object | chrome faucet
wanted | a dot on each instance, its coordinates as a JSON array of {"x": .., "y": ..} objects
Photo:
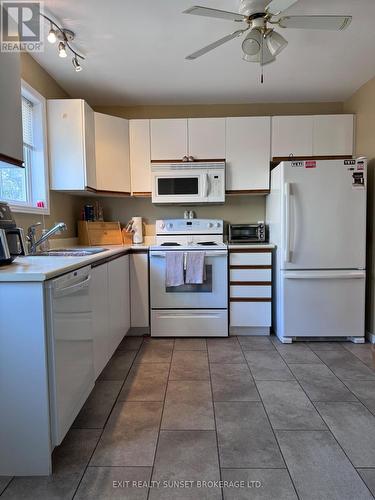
[{"x": 60, "y": 226}]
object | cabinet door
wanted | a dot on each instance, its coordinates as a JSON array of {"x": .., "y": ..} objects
[
  {"x": 119, "y": 300},
  {"x": 139, "y": 137},
  {"x": 139, "y": 290},
  {"x": 248, "y": 148},
  {"x": 112, "y": 153},
  {"x": 10, "y": 117},
  {"x": 100, "y": 317},
  {"x": 71, "y": 139},
  {"x": 169, "y": 139},
  {"x": 333, "y": 135},
  {"x": 292, "y": 135},
  {"x": 206, "y": 138}
]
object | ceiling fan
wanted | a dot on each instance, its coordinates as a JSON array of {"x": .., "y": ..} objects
[{"x": 262, "y": 43}]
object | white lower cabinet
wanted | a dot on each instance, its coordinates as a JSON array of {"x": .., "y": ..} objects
[
  {"x": 110, "y": 299},
  {"x": 250, "y": 291},
  {"x": 119, "y": 300},
  {"x": 100, "y": 316},
  {"x": 139, "y": 297}
]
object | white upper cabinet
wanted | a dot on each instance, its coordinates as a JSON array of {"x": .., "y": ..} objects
[
  {"x": 140, "y": 157},
  {"x": 248, "y": 149},
  {"x": 169, "y": 139},
  {"x": 10, "y": 116},
  {"x": 71, "y": 135},
  {"x": 333, "y": 134},
  {"x": 112, "y": 153},
  {"x": 206, "y": 138},
  {"x": 292, "y": 135},
  {"x": 320, "y": 135}
]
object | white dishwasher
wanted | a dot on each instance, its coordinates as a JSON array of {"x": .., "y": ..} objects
[{"x": 70, "y": 348}]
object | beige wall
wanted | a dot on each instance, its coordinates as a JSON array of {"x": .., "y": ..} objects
[
  {"x": 217, "y": 110},
  {"x": 63, "y": 207},
  {"x": 235, "y": 209},
  {"x": 362, "y": 103}
]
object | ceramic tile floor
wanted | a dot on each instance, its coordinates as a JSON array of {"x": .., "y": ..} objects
[{"x": 270, "y": 421}]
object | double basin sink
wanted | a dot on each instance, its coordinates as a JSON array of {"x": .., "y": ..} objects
[{"x": 70, "y": 252}]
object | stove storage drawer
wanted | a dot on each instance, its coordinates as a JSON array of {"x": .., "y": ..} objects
[
  {"x": 189, "y": 323},
  {"x": 250, "y": 288}
]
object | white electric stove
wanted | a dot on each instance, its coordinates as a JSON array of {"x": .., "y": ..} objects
[{"x": 190, "y": 310}]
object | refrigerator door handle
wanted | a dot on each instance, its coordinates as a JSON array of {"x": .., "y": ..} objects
[
  {"x": 287, "y": 256},
  {"x": 326, "y": 275}
]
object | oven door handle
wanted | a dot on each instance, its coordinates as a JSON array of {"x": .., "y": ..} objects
[{"x": 218, "y": 253}]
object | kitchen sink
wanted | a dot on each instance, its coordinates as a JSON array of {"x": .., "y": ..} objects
[{"x": 70, "y": 252}]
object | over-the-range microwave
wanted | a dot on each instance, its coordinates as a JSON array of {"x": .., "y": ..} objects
[{"x": 188, "y": 182}]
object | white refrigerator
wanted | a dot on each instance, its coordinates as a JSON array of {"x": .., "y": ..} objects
[{"x": 316, "y": 212}]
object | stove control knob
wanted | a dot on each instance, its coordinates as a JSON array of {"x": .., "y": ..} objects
[
  {"x": 162, "y": 225},
  {"x": 209, "y": 224},
  {"x": 169, "y": 225},
  {"x": 217, "y": 224}
]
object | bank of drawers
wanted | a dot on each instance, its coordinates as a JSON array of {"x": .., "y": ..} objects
[{"x": 250, "y": 287}]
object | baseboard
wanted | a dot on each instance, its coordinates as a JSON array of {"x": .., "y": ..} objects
[
  {"x": 249, "y": 330},
  {"x": 138, "y": 331}
]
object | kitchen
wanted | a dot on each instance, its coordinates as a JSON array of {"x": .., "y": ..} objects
[{"x": 224, "y": 333}]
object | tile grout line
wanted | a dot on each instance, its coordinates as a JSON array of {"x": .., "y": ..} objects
[
  {"x": 109, "y": 415},
  {"x": 273, "y": 430},
  {"x": 214, "y": 413},
  {"x": 161, "y": 418}
]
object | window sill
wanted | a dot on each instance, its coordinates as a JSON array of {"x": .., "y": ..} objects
[{"x": 29, "y": 210}]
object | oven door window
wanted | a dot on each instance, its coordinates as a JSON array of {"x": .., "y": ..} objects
[
  {"x": 244, "y": 233},
  {"x": 178, "y": 186},
  {"x": 205, "y": 287}
]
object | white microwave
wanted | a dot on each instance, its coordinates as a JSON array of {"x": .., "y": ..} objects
[{"x": 188, "y": 182}]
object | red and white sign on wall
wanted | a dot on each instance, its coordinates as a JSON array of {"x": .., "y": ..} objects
[{"x": 310, "y": 164}]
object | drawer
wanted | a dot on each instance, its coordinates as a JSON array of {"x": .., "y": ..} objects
[
  {"x": 106, "y": 237},
  {"x": 250, "y": 259},
  {"x": 250, "y": 314},
  {"x": 251, "y": 291},
  {"x": 250, "y": 275}
]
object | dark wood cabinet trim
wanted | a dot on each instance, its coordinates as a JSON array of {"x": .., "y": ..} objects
[
  {"x": 250, "y": 299},
  {"x": 250, "y": 267},
  {"x": 250, "y": 283},
  {"x": 247, "y": 191},
  {"x": 11, "y": 160},
  {"x": 102, "y": 191},
  {"x": 142, "y": 193}
]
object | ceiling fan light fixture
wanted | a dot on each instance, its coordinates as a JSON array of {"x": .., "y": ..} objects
[
  {"x": 252, "y": 43},
  {"x": 276, "y": 43}
]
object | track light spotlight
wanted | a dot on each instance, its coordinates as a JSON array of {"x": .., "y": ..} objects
[
  {"x": 76, "y": 64},
  {"x": 62, "y": 50}
]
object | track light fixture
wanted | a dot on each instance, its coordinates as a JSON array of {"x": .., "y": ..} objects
[
  {"x": 64, "y": 37},
  {"x": 76, "y": 64},
  {"x": 62, "y": 50},
  {"x": 52, "y": 37}
]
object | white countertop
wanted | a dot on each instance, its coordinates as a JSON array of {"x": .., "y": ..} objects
[{"x": 36, "y": 269}]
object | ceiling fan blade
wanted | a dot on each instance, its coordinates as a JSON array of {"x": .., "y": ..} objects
[
  {"x": 213, "y": 45},
  {"x": 219, "y": 14},
  {"x": 278, "y": 6},
  {"x": 335, "y": 23}
]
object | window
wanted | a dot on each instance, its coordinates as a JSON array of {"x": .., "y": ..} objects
[{"x": 26, "y": 189}]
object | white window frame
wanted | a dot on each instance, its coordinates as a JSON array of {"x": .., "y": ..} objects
[{"x": 40, "y": 153}]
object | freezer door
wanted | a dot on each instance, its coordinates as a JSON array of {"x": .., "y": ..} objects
[
  {"x": 322, "y": 304},
  {"x": 324, "y": 215}
]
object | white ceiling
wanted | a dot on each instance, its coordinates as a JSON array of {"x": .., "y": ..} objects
[{"x": 136, "y": 48}]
